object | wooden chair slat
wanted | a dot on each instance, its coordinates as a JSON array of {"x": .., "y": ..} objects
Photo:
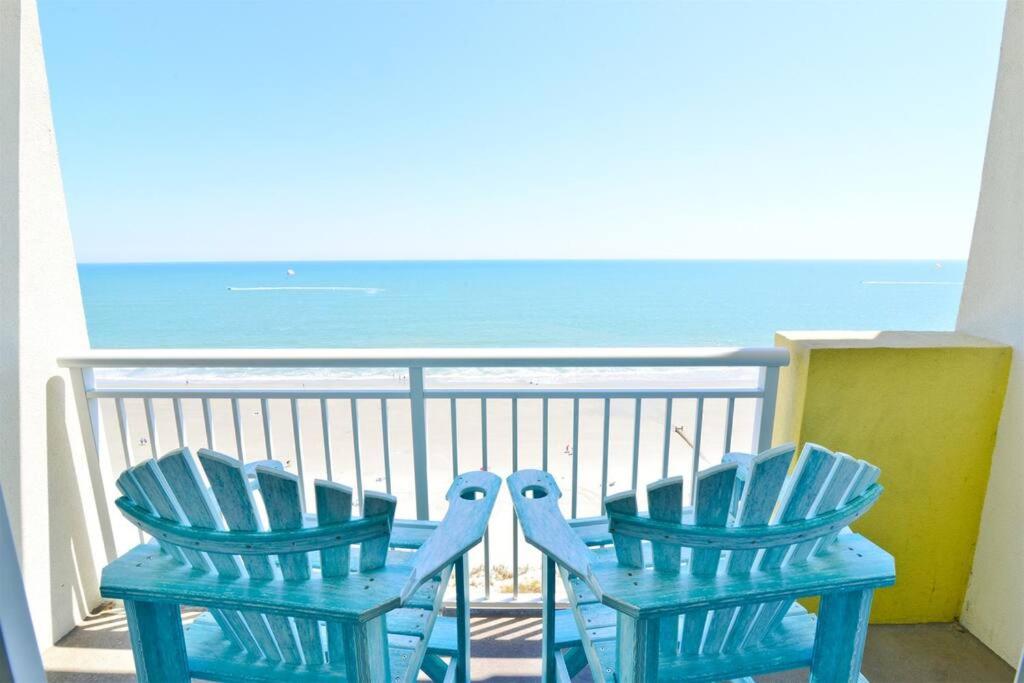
[
  {"x": 842, "y": 476},
  {"x": 182, "y": 476},
  {"x": 665, "y": 501},
  {"x": 713, "y": 499},
  {"x": 334, "y": 504},
  {"x": 714, "y": 493},
  {"x": 843, "y": 473},
  {"x": 744, "y": 465},
  {"x": 767, "y": 473},
  {"x": 234, "y": 628},
  {"x": 230, "y": 487},
  {"x": 867, "y": 475},
  {"x": 284, "y": 513},
  {"x": 129, "y": 486},
  {"x": 373, "y": 554},
  {"x": 153, "y": 484},
  {"x": 628, "y": 550},
  {"x": 863, "y": 475},
  {"x": 813, "y": 471},
  {"x": 179, "y": 469}
]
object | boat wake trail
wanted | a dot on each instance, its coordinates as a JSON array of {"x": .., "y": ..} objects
[
  {"x": 366, "y": 290},
  {"x": 911, "y": 282}
]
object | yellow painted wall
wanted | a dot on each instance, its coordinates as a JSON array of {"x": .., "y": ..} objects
[{"x": 924, "y": 407}]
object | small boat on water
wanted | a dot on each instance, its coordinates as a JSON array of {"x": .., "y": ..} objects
[{"x": 290, "y": 273}]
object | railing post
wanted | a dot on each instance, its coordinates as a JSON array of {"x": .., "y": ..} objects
[
  {"x": 764, "y": 416},
  {"x": 419, "y": 441}
]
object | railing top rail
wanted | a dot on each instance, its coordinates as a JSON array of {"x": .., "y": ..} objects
[{"x": 429, "y": 358}]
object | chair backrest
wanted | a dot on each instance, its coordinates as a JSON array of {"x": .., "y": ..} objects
[
  {"x": 773, "y": 523},
  {"x": 786, "y": 518},
  {"x": 219, "y": 529}
]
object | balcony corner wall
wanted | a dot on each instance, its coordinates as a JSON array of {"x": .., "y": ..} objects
[
  {"x": 924, "y": 407},
  {"x": 43, "y": 470}
]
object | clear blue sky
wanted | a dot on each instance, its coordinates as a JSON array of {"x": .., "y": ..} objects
[{"x": 323, "y": 130}]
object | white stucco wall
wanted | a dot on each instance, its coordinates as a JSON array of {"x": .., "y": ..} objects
[
  {"x": 993, "y": 307},
  {"x": 42, "y": 468}
]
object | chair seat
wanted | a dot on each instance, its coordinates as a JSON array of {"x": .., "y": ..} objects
[
  {"x": 853, "y": 563},
  {"x": 212, "y": 657},
  {"x": 590, "y": 625},
  {"x": 146, "y": 572},
  {"x": 789, "y": 646}
]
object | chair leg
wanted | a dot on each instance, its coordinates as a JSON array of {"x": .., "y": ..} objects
[
  {"x": 575, "y": 661},
  {"x": 549, "y": 664},
  {"x": 462, "y": 619},
  {"x": 158, "y": 641},
  {"x": 840, "y": 636},
  {"x": 437, "y": 669},
  {"x": 368, "y": 659},
  {"x": 636, "y": 658}
]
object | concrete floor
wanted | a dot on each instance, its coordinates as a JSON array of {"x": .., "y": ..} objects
[{"x": 507, "y": 650}]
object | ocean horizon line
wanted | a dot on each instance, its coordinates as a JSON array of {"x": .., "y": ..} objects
[{"x": 534, "y": 260}]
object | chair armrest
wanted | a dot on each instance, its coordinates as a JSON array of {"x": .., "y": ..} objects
[
  {"x": 470, "y": 501},
  {"x": 535, "y": 496},
  {"x": 854, "y": 564},
  {"x": 146, "y": 573}
]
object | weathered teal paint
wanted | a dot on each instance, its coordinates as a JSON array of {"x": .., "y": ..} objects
[
  {"x": 319, "y": 611},
  {"x": 622, "y": 598}
]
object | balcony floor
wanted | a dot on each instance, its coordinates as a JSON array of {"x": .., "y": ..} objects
[{"x": 507, "y": 650}]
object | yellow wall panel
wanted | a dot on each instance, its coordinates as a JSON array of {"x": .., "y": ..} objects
[{"x": 923, "y": 407}]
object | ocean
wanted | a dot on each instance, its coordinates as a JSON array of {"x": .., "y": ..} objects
[{"x": 507, "y": 303}]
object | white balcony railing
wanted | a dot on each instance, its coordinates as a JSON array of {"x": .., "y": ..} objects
[{"x": 407, "y": 420}]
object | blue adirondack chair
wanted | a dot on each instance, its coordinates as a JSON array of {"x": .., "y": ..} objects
[
  {"x": 319, "y": 597},
  {"x": 708, "y": 593}
]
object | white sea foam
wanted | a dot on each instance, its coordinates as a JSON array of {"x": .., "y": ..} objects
[{"x": 367, "y": 290}]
